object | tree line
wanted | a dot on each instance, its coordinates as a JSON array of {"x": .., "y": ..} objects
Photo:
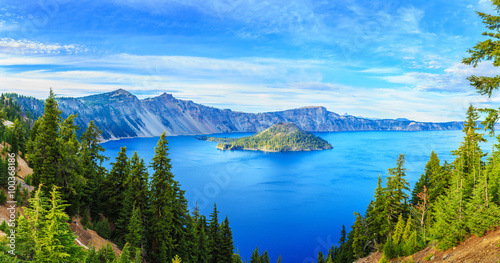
[
  {"x": 450, "y": 201},
  {"x": 145, "y": 215}
]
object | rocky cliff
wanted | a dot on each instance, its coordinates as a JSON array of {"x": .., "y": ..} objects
[{"x": 119, "y": 114}]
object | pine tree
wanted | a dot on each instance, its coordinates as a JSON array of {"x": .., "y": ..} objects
[
  {"x": 481, "y": 213},
  {"x": 69, "y": 176},
  {"x": 376, "y": 218},
  {"x": 321, "y": 258},
  {"x": 45, "y": 148},
  {"x": 487, "y": 50},
  {"x": 115, "y": 185},
  {"x": 432, "y": 179},
  {"x": 106, "y": 253},
  {"x": 214, "y": 237},
  {"x": 397, "y": 198},
  {"x": 136, "y": 194},
  {"x": 255, "y": 256},
  {"x": 449, "y": 227},
  {"x": 135, "y": 231},
  {"x": 44, "y": 232},
  {"x": 91, "y": 164},
  {"x": 161, "y": 198},
  {"x": 265, "y": 258},
  {"x": 227, "y": 246},
  {"x": 359, "y": 236},
  {"x": 468, "y": 155},
  {"x": 398, "y": 230}
]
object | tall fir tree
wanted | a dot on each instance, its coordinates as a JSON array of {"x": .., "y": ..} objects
[
  {"x": 44, "y": 146},
  {"x": 255, "y": 256},
  {"x": 115, "y": 186},
  {"x": 227, "y": 247},
  {"x": 468, "y": 156},
  {"x": 450, "y": 225},
  {"x": 43, "y": 231},
  {"x": 161, "y": 198},
  {"x": 397, "y": 198},
  {"x": 433, "y": 178},
  {"x": 92, "y": 158},
  {"x": 376, "y": 218},
  {"x": 214, "y": 237}
]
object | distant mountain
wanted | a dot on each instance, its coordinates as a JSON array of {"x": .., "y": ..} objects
[
  {"x": 281, "y": 137},
  {"x": 119, "y": 114}
]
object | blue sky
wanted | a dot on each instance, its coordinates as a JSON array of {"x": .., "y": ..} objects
[{"x": 378, "y": 58}]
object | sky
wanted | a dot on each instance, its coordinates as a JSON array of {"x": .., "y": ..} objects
[{"x": 371, "y": 58}]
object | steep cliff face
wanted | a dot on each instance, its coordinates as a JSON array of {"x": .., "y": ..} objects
[{"x": 120, "y": 114}]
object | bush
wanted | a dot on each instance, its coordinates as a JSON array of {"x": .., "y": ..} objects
[
  {"x": 27, "y": 180},
  {"x": 4, "y": 227},
  {"x": 102, "y": 228},
  {"x": 3, "y": 197},
  {"x": 390, "y": 251}
]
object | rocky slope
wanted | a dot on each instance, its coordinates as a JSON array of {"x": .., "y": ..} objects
[
  {"x": 484, "y": 249},
  {"x": 120, "y": 114}
]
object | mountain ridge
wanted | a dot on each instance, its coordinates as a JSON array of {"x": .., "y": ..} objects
[{"x": 120, "y": 114}]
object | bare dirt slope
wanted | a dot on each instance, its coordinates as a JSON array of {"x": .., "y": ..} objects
[
  {"x": 85, "y": 237},
  {"x": 485, "y": 249},
  {"x": 88, "y": 238}
]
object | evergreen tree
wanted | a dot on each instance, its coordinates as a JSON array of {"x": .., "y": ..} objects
[
  {"x": 69, "y": 176},
  {"x": 449, "y": 227},
  {"x": 161, "y": 198},
  {"x": 487, "y": 50},
  {"x": 481, "y": 213},
  {"x": 45, "y": 148},
  {"x": 214, "y": 237},
  {"x": 136, "y": 194},
  {"x": 359, "y": 236},
  {"x": 227, "y": 247},
  {"x": 265, "y": 258},
  {"x": 396, "y": 189},
  {"x": 202, "y": 238},
  {"x": 255, "y": 256},
  {"x": 468, "y": 155},
  {"x": 91, "y": 164},
  {"x": 432, "y": 179},
  {"x": 376, "y": 218},
  {"x": 115, "y": 186},
  {"x": 135, "y": 231},
  {"x": 44, "y": 233},
  {"x": 321, "y": 258}
]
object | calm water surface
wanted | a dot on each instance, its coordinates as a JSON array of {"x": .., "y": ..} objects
[{"x": 294, "y": 203}]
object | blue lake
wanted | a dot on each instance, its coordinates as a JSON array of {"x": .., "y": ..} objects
[{"x": 294, "y": 203}]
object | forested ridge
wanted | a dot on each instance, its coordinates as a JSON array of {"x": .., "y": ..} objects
[{"x": 146, "y": 215}]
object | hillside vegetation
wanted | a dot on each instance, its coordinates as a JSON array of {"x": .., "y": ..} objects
[{"x": 281, "y": 137}]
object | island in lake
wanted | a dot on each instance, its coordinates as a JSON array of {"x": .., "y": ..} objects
[{"x": 281, "y": 137}]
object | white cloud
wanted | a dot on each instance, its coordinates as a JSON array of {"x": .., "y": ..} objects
[
  {"x": 454, "y": 78},
  {"x": 22, "y": 47}
]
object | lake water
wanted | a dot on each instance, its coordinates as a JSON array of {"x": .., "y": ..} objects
[{"x": 293, "y": 203}]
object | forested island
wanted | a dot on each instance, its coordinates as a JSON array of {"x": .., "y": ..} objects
[{"x": 282, "y": 137}]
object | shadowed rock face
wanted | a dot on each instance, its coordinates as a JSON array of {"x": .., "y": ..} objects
[{"x": 119, "y": 114}]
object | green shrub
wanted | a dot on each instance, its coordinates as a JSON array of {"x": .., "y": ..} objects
[
  {"x": 4, "y": 227},
  {"x": 3, "y": 197},
  {"x": 27, "y": 179}
]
